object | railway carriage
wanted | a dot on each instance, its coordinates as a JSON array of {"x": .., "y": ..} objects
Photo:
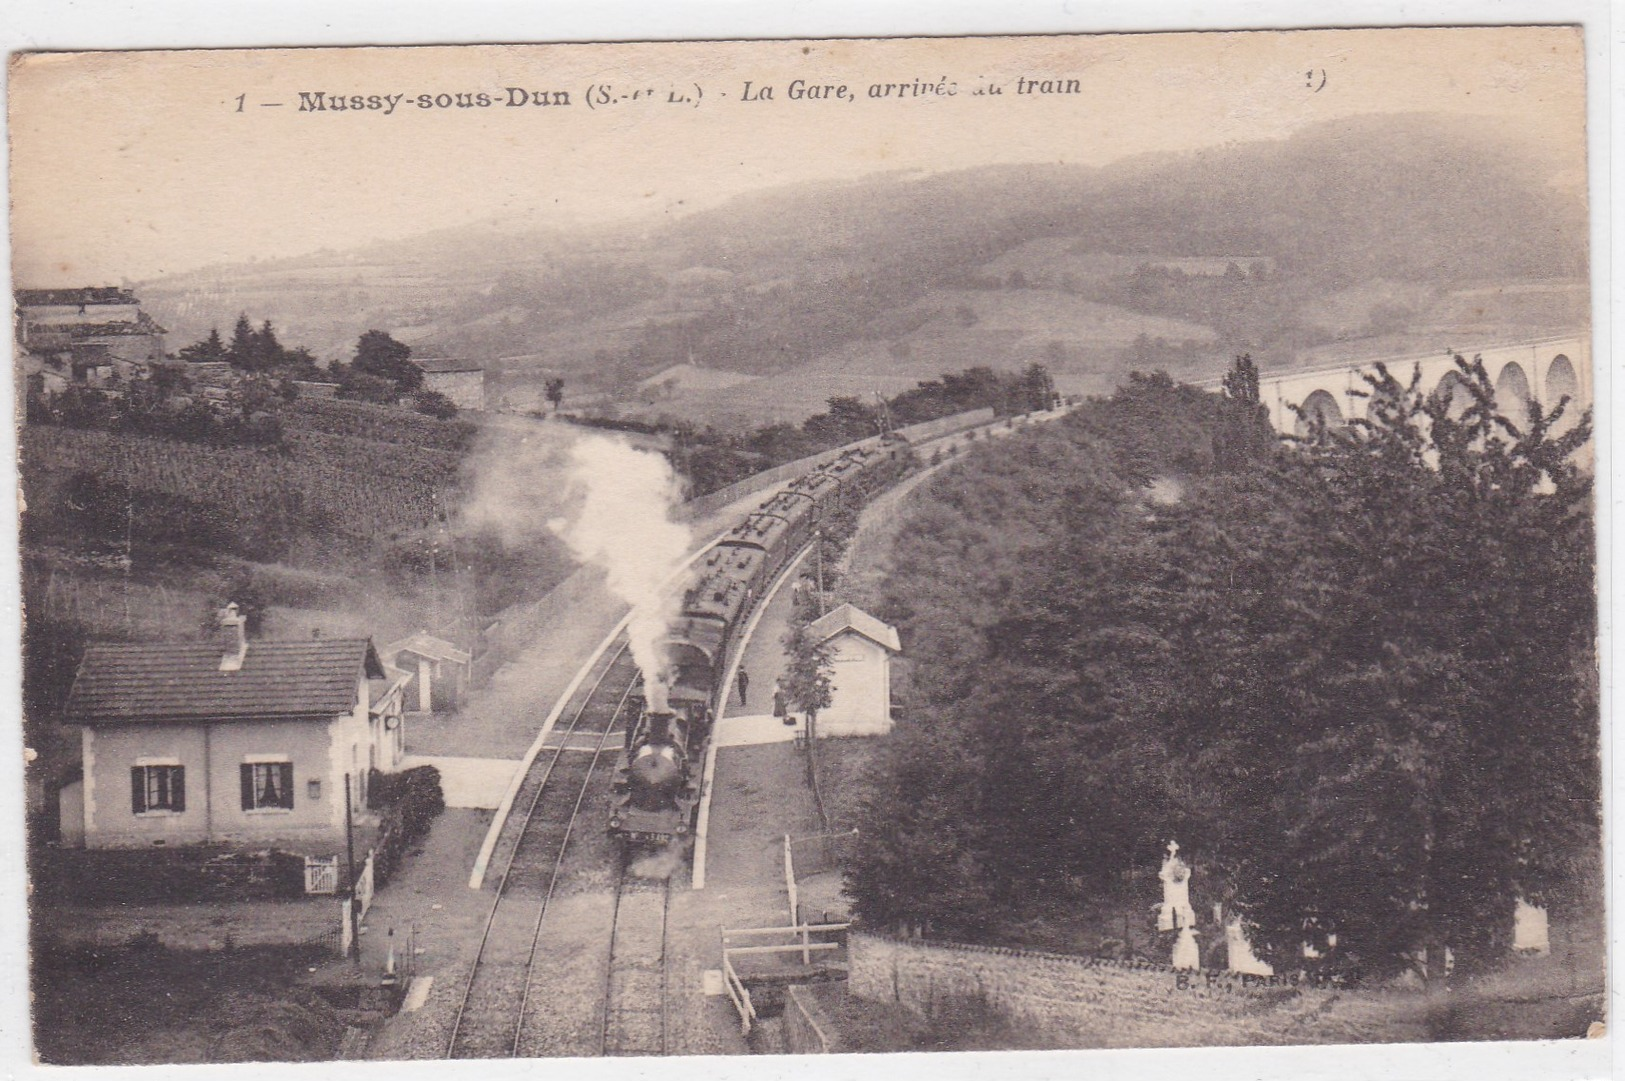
[
  {"x": 748, "y": 563},
  {"x": 821, "y": 490},
  {"x": 769, "y": 534},
  {"x": 795, "y": 509}
]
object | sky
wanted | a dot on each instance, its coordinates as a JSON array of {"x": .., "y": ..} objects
[{"x": 129, "y": 166}]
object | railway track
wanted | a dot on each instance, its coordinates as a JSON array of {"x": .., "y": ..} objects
[
  {"x": 634, "y": 1018},
  {"x": 490, "y": 1016}
]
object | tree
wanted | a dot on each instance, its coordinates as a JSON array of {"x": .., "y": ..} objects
[
  {"x": 206, "y": 350},
  {"x": 555, "y": 391},
  {"x": 1243, "y": 433},
  {"x": 379, "y": 355},
  {"x": 357, "y": 385},
  {"x": 268, "y": 351},
  {"x": 807, "y": 676},
  {"x": 1035, "y": 388},
  {"x": 1388, "y": 702},
  {"x": 244, "y": 347}
]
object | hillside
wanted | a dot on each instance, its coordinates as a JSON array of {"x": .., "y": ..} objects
[{"x": 1354, "y": 229}]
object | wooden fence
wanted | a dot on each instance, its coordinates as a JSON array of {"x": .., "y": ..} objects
[{"x": 830, "y": 945}]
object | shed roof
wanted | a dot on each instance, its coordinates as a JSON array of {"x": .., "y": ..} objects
[
  {"x": 425, "y": 644},
  {"x": 849, "y": 617},
  {"x": 182, "y": 681},
  {"x": 446, "y": 364},
  {"x": 380, "y": 687}
]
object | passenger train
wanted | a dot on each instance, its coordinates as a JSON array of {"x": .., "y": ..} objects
[{"x": 656, "y": 793}]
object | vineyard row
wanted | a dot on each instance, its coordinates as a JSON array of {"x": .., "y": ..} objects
[{"x": 341, "y": 494}]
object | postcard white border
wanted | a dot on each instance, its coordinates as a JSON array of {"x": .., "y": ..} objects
[{"x": 108, "y": 24}]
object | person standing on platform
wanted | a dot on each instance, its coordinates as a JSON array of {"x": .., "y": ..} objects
[{"x": 744, "y": 686}]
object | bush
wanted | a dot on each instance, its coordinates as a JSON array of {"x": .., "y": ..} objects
[
  {"x": 432, "y": 403},
  {"x": 410, "y": 802}
]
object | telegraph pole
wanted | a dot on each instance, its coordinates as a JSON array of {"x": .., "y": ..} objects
[{"x": 818, "y": 562}]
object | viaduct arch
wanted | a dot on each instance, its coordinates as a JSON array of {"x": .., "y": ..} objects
[{"x": 1545, "y": 370}]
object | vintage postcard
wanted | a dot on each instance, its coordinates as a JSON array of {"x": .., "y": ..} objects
[{"x": 1068, "y": 543}]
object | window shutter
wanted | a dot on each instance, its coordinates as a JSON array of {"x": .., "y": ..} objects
[
  {"x": 138, "y": 789},
  {"x": 246, "y": 772},
  {"x": 177, "y": 789},
  {"x": 287, "y": 784}
]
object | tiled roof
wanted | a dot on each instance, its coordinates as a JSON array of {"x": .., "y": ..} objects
[
  {"x": 106, "y": 294},
  {"x": 425, "y": 644},
  {"x": 182, "y": 681},
  {"x": 850, "y": 618}
]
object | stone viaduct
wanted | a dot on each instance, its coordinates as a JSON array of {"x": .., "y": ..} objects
[{"x": 1545, "y": 370}]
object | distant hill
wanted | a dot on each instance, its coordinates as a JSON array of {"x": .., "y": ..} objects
[{"x": 1348, "y": 229}]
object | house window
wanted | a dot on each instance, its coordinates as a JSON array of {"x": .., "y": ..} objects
[
  {"x": 267, "y": 786},
  {"x": 157, "y": 789}
]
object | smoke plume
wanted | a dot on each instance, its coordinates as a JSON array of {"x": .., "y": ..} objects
[
  {"x": 624, "y": 526},
  {"x": 515, "y": 483}
]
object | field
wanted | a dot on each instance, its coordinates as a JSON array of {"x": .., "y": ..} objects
[{"x": 1082, "y": 343}]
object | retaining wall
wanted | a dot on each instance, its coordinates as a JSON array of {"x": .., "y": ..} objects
[
  {"x": 1092, "y": 1002},
  {"x": 807, "y": 1029}
]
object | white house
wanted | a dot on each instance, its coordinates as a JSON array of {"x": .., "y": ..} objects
[
  {"x": 246, "y": 743},
  {"x": 861, "y": 648}
]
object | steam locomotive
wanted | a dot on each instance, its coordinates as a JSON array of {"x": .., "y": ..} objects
[{"x": 656, "y": 793}]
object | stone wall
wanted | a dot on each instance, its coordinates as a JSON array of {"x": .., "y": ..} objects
[
  {"x": 807, "y": 1029},
  {"x": 1091, "y": 1002}
]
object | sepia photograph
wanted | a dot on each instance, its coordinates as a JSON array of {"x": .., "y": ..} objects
[{"x": 1068, "y": 542}]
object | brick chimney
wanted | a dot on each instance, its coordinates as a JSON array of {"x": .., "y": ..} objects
[{"x": 232, "y": 638}]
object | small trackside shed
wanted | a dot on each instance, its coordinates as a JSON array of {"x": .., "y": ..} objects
[
  {"x": 861, "y": 647},
  {"x": 237, "y": 742},
  {"x": 438, "y": 672}
]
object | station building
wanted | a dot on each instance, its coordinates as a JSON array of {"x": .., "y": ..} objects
[{"x": 234, "y": 743}]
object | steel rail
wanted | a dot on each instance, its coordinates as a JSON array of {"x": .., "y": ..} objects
[
  {"x": 564, "y": 844},
  {"x": 496, "y": 903},
  {"x": 612, "y": 1011}
]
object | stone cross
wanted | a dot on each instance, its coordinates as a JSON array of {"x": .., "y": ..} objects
[{"x": 1176, "y": 908}]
